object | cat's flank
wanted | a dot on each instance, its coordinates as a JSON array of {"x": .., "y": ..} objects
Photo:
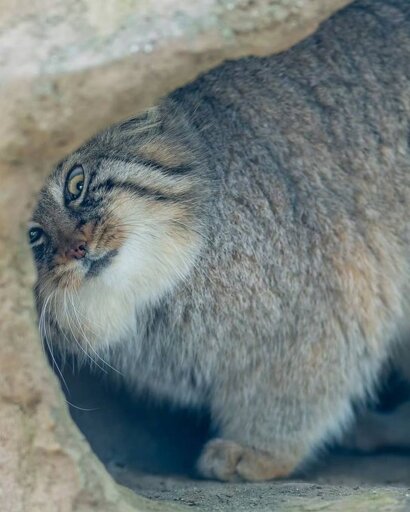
[{"x": 245, "y": 246}]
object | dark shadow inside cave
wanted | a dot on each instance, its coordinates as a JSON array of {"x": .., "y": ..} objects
[
  {"x": 135, "y": 432},
  {"x": 145, "y": 443}
]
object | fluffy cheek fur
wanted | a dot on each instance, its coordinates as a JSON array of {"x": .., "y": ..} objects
[{"x": 156, "y": 246}]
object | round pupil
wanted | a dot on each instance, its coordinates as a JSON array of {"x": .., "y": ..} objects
[
  {"x": 34, "y": 234},
  {"x": 75, "y": 183}
]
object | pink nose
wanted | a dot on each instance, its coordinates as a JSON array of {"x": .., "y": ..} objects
[{"x": 77, "y": 251}]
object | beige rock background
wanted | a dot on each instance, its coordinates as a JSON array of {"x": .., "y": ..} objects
[{"x": 67, "y": 69}]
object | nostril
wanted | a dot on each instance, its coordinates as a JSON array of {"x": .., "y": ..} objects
[{"x": 78, "y": 251}]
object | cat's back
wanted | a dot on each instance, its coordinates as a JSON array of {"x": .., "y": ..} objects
[
  {"x": 309, "y": 223},
  {"x": 324, "y": 124},
  {"x": 310, "y": 149}
]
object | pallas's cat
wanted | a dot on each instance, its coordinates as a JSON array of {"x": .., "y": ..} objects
[{"x": 245, "y": 245}]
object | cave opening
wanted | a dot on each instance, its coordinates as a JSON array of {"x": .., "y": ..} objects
[{"x": 151, "y": 446}]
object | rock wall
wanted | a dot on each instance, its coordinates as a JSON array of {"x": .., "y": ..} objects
[{"x": 69, "y": 68}]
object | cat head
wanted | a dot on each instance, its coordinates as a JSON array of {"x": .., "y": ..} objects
[{"x": 118, "y": 224}]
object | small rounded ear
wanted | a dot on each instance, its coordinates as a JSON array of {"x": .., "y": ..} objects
[
  {"x": 166, "y": 152},
  {"x": 161, "y": 136},
  {"x": 142, "y": 124}
]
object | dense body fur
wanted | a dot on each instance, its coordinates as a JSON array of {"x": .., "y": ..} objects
[{"x": 255, "y": 235}]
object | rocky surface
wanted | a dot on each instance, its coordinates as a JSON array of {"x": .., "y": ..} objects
[
  {"x": 152, "y": 449},
  {"x": 69, "y": 68},
  {"x": 268, "y": 497}
]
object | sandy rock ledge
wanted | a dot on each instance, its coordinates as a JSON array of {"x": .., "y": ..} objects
[{"x": 69, "y": 68}]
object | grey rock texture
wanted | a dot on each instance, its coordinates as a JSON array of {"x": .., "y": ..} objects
[
  {"x": 72, "y": 67},
  {"x": 69, "y": 68}
]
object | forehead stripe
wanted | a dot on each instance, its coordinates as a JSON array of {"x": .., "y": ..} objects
[
  {"x": 152, "y": 164},
  {"x": 132, "y": 187}
]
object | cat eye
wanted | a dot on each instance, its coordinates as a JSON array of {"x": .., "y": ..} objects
[
  {"x": 35, "y": 235},
  {"x": 75, "y": 183}
]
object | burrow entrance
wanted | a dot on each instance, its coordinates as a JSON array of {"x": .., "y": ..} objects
[{"x": 151, "y": 447}]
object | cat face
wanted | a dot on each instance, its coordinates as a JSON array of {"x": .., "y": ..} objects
[{"x": 116, "y": 227}]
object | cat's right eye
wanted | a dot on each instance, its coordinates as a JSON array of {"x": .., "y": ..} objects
[
  {"x": 35, "y": 235},
  {"x": 75, "y": 183}
]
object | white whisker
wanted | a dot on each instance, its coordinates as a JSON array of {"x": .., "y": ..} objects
[
  {"x": 48, "y": 341},
  {"x": 82, "y": 408},
  {"x": 89, "y": 344},
  {"x": 74, "y": 336}
]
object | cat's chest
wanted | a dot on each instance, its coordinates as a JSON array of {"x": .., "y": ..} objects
[{"x": 170, "y": 367}]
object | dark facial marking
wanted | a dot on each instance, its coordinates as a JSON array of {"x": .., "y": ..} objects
[
  {"x": 129, "y": 186},
  {"x": 153, "y": 164},
  {"x": 96, "y": 266},
  {"x": 165, "y": 169}
]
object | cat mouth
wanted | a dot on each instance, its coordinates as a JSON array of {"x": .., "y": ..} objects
[{"x": 97, "y": 265}]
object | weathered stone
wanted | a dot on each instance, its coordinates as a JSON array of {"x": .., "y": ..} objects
[{"x": 69, "y": 68}]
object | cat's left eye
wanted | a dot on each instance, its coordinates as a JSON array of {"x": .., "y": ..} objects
[
  {"x": 35, "y": 235},
  {"x": 75, "y": 183}
]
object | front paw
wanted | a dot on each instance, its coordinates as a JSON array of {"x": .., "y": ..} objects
[{"x": 231, "y": 462}]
